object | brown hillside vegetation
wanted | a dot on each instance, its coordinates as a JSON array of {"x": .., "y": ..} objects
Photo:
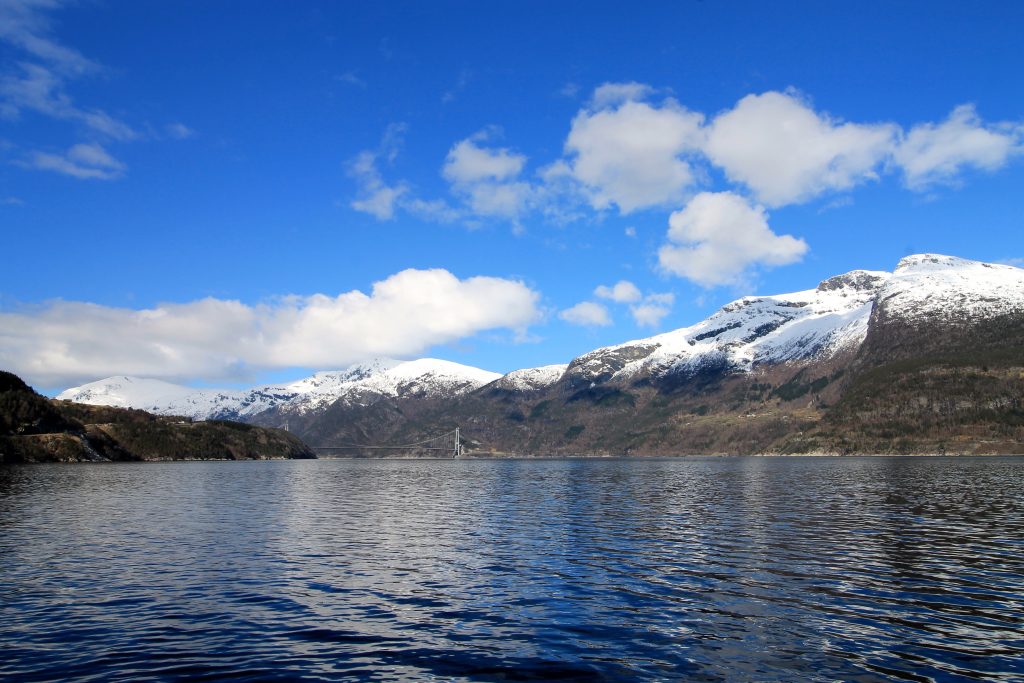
[{"x": 36, "y": 429}]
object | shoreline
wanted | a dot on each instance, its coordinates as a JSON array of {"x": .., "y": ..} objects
[{"x": 509, "y": 456}]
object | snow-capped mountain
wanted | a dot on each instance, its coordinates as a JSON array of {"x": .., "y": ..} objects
[
  {"x": 815, "y": 324},
  {"x": 358, "y": 384},
  {"x": 864, "y": 318},
  {"x": 926, "y": 359},
  {"x": 364, "y": 384},
  {"x": 947, "y": 288},
  {"x": 126, "y": 392},
  {"x": 751, "y": 331},
  {"x": 165, "y": 398}
]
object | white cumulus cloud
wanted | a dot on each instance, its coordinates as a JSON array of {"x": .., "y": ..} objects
[
  {"x": 486, "y": 179},
  {"x": 936, "y": 153},
  {"x": 718, "y": 237},
  {"x": 785, "y": 152},
  {"x": 622, "y": 291},
  {"x": 63, "y": 343},
  {"x": 652, "y": 309},
  {"x": 630, "y": 153},
  {"x": 586, "y": 314},
  {"x": 467, "y": 163},
  {"x": 647, "y": 311}
]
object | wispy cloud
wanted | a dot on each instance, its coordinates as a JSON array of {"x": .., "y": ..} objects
[
  {"x": 434, "y": 210},
  {"x": 484, "y": 181},
  {"x": 570, "y": 90},
  {"x": 376, "y": 197},
  {"x": 26, "y": 25},
  {"x": 487, "y": 178},
  {"x": 42, "y": 89},
  {"x": 465, "y": 76},
  {"x": 179, "y": 131},
  {"x": 350, "y": 78},
  {"x": 38, "y": 82},
  {"x": 84, "y": 161}
]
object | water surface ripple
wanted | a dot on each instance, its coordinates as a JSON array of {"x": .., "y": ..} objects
[{"x": 705, "y": 569}]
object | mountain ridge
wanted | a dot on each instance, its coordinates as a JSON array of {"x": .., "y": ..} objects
[
  {"x": 759, "y": 354},
  {"x": 36, "y": 429}
]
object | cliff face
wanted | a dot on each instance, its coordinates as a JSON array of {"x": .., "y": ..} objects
[{"x": 36, "y": 429}]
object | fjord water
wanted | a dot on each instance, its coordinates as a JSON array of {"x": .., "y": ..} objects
[{"x": 700, "y": 568}]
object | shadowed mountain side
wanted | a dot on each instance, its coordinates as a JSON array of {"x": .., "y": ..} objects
[
  {"x": 378, "y": 424},
  {"x": 36, "y": 429},
  {"x": 918, "y": 385}
]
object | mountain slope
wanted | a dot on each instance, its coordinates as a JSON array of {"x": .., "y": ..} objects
[
  {"x": 942, "y": 368},
  {"x": 36, "y": 429},
  {"x": 927, "y": 358},
  {"x": 746, "y": 334}
]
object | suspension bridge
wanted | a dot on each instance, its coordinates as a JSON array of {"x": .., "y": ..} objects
[{"x": 447, "y": 444}]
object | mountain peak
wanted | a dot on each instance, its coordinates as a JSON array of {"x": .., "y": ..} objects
[
  {"x": 934, "y": 262},
  {"x": 858, "y": 280},
  {"x": 949, "y": 287}
]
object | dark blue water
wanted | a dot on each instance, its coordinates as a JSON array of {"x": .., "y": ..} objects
[{"x": 708, "y": 569}]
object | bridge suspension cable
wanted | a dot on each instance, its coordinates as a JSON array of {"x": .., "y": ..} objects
[{"x": 449, "y": 442}]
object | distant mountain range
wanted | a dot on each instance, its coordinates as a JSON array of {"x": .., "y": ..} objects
[
  {"x": 928, "y": 358},
  {"x": 361, "y": 384}
]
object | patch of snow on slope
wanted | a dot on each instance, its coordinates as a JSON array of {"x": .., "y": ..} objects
[{"x": 531, "y": 379}]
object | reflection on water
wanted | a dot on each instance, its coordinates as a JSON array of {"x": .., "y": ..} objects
[{"x": 710, "y": 568}]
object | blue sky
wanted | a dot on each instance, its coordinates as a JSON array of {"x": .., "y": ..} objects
[{"x": 225, "y": 193}]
